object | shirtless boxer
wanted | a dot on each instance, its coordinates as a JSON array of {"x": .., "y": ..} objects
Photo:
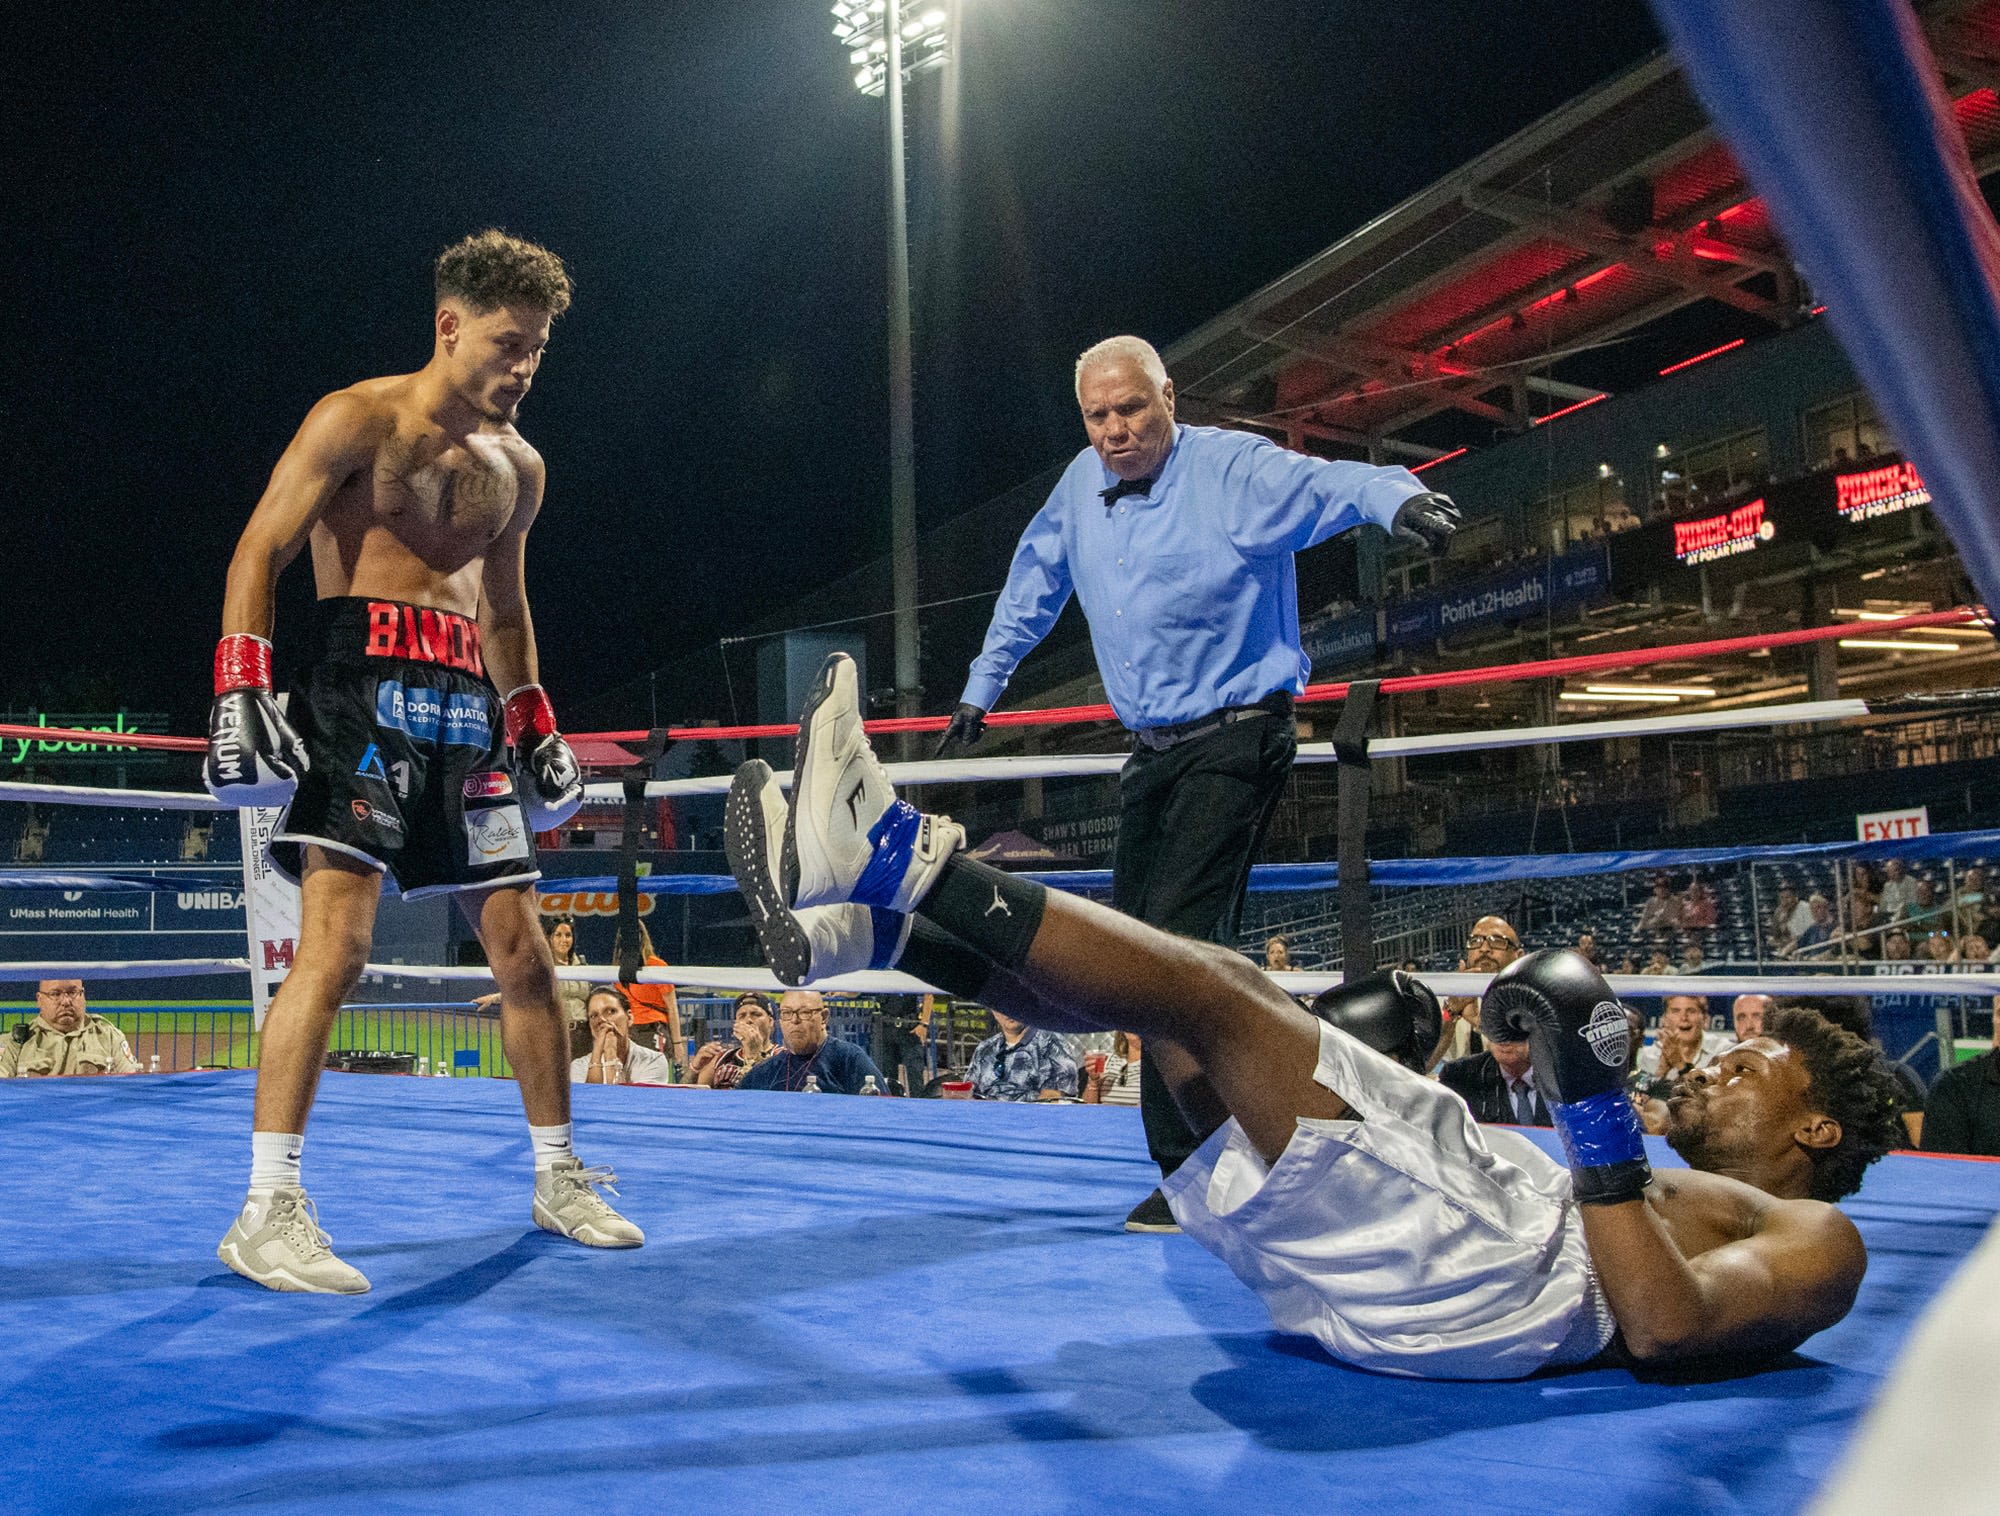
[
  {"x": 1356, "y": 1197},
  {"x": 397, "y": 754}
]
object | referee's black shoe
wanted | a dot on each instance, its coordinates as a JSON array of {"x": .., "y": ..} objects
[{"x": 1152, "y": 1215}]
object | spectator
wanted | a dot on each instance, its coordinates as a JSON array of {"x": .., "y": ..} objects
[
  {"x": 1498, "y": 1084},
  {"x": 1746, "y": 1015},
  {"x": 1819, "y": 931},
  {"x": 1016, "y": 1063},
  {"x": 1117, "y": 1083},
  {"x": 835, "y": 1067},
  {"x": 1627, "y": 965},
  {"x": 1851, "y": 1013},
  {"x": 573, "y": 995},
  {"x": 615, "y": 1057},
  {"x": 1586, "y": 944},
  {"x": 1693, "y": 959},
  {"x": 64, "y": 1038},
  {"x": 1489, "y": 947},
  {"x": 1969, "y": 905},
  {"x": 1789, "y": 917},
  {"x": 1683, "y": 1043},
  {"x": 1661, "y": 914},
  {"x": 1973, "y": 951},
  {"x": 1277, "y": 956},
  {"x": 718, "y": 1066},
  {"x": 1697, "y": 907},
  {"x": 1656, "y": 963},
  {"x": 1927, "y": 913},
  {"x": 1899, "y": 892},
  {"x": 1896, "y": 948},
  {"x": 1863, "y": 917},
  {"x": 1936, "y": 948},
  {"x": 905, "y": 1030},
  {"x": 1963, "y": 1112},
  {"x": 656, "y": 1009}
]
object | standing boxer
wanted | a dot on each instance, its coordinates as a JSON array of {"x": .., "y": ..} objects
[
  {"x": 1357, "y": 1197},
  {"x": 1178, "y": 541},
  {"x": 398, "y": 755}
]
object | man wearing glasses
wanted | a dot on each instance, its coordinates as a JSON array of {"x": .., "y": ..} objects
[
  {"x": 833, "y": 1066},
  {"x": 64, "y": 1038},
  {"x": 1490, "y": 946}
]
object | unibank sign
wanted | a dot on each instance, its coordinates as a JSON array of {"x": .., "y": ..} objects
[
  {"x": 1711, "y": 537},
  {"x": 1879, "y": 492}
]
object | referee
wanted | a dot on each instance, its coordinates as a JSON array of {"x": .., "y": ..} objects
[{"x": 1177, "y": 541}]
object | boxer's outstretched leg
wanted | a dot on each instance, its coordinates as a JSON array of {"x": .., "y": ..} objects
[{"x": 1081, "y": 965}]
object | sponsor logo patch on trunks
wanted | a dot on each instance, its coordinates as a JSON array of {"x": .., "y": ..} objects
[
  {"x": 486, "y": 786},
  {"x": 458, "y": 719},
  {"x": 496, "y": 834},
  {"x": 363, "y": 811}
]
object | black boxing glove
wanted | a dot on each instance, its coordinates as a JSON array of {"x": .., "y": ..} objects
[
  {"x": 968, "y": 725},
  {"x": 1427, "y": 521},
  {"x": 1578, "y": 1040},
  {"x": 254, "y": 756},
  {"x": 1391, "y": 1012},
  {"x": 555, "y": 783}
]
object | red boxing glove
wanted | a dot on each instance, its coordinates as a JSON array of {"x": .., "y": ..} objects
[
  {"x": 554, "y": 788},
  {"x": 254, "y": 756},
  {"x": 527, "y": 712},
  {"x": 242, "y": 662}
]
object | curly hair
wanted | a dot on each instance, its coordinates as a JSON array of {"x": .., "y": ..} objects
[
  {"x": 490, "y": 269},
  {"x": 1851, "y": 1084}
]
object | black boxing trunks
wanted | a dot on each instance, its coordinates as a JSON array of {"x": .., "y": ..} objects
[{"x": 410, "y": 771}]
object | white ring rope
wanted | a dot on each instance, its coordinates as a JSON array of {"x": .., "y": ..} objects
[
  {"x": 892, "y": 982},
  {"x": 1060, "y": 766},
  {"x": 1080, "y": 765}
]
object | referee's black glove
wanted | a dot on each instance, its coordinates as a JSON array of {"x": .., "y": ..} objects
[
  {"x": 968, "y": 725},
  {"x": 1427, "y": 521}
]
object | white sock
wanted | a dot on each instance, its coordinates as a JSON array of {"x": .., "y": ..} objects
[
  {"x": 551, "y": 1144},
  {"x": 274, "y": 1162}
]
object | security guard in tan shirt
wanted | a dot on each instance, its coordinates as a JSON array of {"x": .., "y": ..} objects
[{"x": 64, "y": 1038}]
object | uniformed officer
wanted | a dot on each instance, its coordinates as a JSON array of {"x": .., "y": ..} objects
[{"x": 64, "y": 1038}]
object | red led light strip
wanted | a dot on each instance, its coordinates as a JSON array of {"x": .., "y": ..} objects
[{"x": 1714, "y": 352}]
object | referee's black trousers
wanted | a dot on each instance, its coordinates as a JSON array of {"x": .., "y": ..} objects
[{"x": 1190, "y": 822}]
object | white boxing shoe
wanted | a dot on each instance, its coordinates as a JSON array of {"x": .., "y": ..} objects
[
  {"x": 847, "y": 836},
  {"x": 803, "y": 946}
]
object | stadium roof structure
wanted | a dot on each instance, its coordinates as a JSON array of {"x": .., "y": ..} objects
[{"x": 1492, "y": 302}]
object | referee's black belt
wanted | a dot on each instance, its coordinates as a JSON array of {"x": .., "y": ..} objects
[{"x": 1160, "y": 739}]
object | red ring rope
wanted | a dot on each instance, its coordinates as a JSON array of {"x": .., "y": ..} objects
[{"x": 1499, "y": 673}]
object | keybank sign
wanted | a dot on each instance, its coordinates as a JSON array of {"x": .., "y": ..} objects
[{"x": 19, "y": 751}]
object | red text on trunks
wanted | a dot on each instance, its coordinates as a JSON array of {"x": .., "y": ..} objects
[{"x": 422, "y": 634}]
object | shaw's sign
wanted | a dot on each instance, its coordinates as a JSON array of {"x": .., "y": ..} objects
[{"x": 587, "y": 903}]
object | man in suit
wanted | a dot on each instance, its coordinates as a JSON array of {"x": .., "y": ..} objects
[{"x": 1499, "y": 1085}]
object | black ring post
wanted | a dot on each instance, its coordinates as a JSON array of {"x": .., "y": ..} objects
[
  {"x": 634, "y": 779},
  {"x": 1356, "y": 779}
]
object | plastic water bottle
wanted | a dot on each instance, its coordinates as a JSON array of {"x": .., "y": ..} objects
[
  {"x": 155, "y": 1066},
  {"x": 443, "y": 1070},
  {"x": 868, "y": 1085},
  {"x": 811, "y": 1086},
  {"x": 423, "y": 1067}
]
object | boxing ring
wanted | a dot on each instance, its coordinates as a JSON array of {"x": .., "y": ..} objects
[{"x": 916, "y": 1305}]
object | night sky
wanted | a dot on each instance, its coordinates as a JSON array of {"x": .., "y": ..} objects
[{"x": 219, "y": 213}]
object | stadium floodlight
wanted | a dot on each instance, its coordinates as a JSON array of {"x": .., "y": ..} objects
[
  {"x": 888, "y": 43},
  {"x": 862, "y": 27}
]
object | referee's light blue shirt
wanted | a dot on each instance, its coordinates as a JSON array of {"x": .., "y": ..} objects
[{"x": 1190, "y": 591}]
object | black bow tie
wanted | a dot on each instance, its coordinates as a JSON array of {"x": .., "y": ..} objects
[{"x": 1123, "y": 488}]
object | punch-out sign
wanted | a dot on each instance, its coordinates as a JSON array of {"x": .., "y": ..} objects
[{"x": 1887, "y": 826}]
